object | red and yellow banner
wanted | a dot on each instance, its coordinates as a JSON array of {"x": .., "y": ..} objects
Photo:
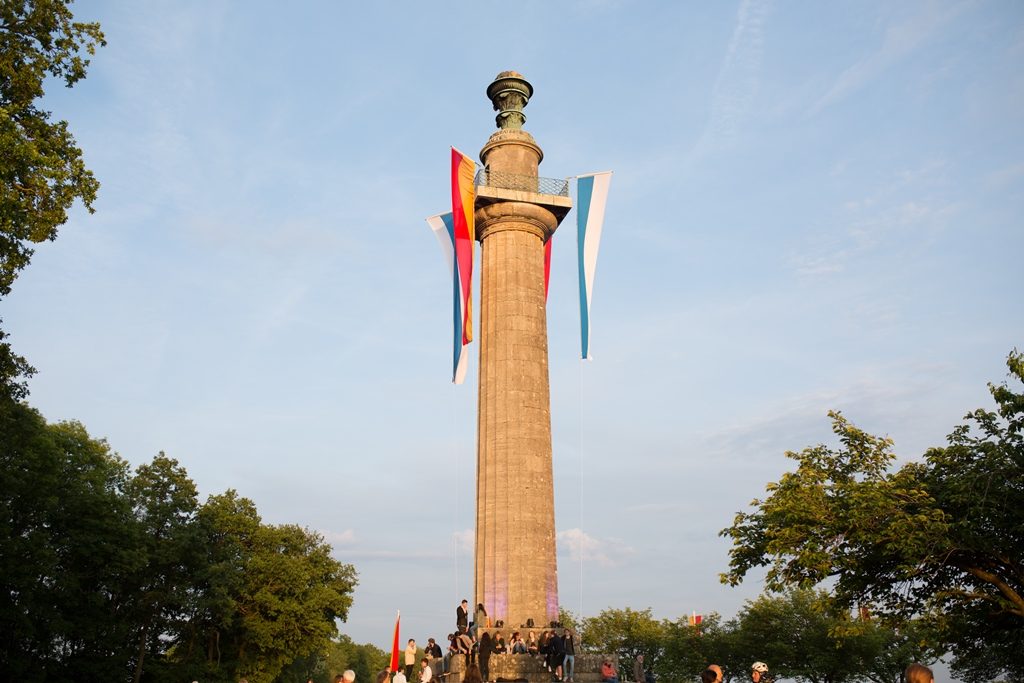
[{"x": 463, "y": 200}]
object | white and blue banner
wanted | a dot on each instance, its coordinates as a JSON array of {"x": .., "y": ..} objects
[
  {"x": 591, "y": 197},
  {"x": 443, "y": 226}
]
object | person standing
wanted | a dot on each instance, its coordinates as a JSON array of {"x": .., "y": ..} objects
[
  {"x": 462, "y": 616},
  {"x": 410, "y": 657},
  {"x": 557, "y": 654},
  {"x": 638, "y": 669},
  {"x": 484, "y": 653},
  {"x": 479, "y": 621},
  {"x": 569, "y": 664}
]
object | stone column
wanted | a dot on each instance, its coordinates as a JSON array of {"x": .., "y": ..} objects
[{"x": 516, "y": 568}]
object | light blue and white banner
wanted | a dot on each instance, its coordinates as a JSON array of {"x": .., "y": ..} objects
[
  {"x": 591, "y": 197},
  {"x": 443, "y": 226}
]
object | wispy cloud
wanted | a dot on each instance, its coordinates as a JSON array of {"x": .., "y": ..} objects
[
  {"x": 899, "y": 40},
  {"x": 335, "y": 538},
  {"x": 607, "y": 552},
  {"x": 912, "y": 201},
  {"x": 870, "y": 397},
  {"x": 738, "y": 78}
]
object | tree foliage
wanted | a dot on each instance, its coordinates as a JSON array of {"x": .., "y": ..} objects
[
  {"x": 268, "y": 594},
  {"x": 42, "y": 170},
  {"x": 689, "y": 649},
  {"x": 625, "y": 633},
  {"x": 106, "y": 574},
  {"x": 63, "y": 556},
  {"x": 365, "y": 660},
  {"x": 803, "y": 635},
  {"x": 943, "y": 537}
]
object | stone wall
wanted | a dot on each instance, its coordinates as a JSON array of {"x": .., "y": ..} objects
[{"x": 525, "y": 668}]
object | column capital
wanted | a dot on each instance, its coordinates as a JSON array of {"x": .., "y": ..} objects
[{"x": 521, "y": 216}]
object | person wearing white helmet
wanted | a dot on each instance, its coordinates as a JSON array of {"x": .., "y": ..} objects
[{"x": 759, "y": 673}]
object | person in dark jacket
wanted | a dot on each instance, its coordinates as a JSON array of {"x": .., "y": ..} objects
[
  {"x": 569, "y": 663},
  {"x": 557, "y": 654}
]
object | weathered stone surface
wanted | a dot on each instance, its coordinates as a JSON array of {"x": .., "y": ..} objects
[
  {"x": 526, "y": 668},
  {"x": 516, "y": 572}
]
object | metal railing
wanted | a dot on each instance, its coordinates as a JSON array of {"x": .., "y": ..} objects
[{"x": 525, "y": 183}]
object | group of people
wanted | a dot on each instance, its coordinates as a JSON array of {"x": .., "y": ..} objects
[
  {"x": 561, "y": 660},
  {"x": 610, "y": 675},
  {"x": 915, "y": 673},
  {"x": 558, "y": 650},
  {"x": 403, "y": 675}
]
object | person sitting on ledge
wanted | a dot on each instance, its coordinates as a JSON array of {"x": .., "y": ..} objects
[
  {"x": 608, "y": 672},
  {"x": 464, "y": 643},
  {"x": 516, "y": 645},
  {"x": 499, "y": 644},
  {"x": 531, "y": 644}
]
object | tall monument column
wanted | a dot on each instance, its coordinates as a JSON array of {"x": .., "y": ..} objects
[{"x": 516, "y": 213}]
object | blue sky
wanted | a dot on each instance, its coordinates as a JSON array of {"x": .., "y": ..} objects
[{"x": 815, "y": 206}]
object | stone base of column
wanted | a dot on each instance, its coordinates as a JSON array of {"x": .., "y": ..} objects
[{"x": 525, "y": 668}]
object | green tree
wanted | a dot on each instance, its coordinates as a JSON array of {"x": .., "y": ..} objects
[
  {"x": 882, "y": 650},
  {"x": 64, "y": 552},
  {"x": 14, "y": 371},
  {"x": 365, "y": 660},
  {"x": 797, "y": 633},
  {"x": 943, "y": 537},
  {"x": 568, "y": 619},
  {"x": 689, "y": 649},
  {"x": 625, "y": 633},
  {"x": 270, "y": 595},
  {"x": 41, "y": 170},
  {"x": 165, "y": 502}
]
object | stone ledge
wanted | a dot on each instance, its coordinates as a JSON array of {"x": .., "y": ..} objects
[{"x": 527, "y": 668}]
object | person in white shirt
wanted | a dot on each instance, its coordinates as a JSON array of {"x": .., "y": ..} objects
[{"x": 425, "y": 673}]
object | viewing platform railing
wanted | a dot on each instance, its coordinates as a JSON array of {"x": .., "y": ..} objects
[{"x": 511, "y": 181}]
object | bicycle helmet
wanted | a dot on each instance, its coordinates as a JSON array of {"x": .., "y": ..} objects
[{"x": 759, "y": 667}]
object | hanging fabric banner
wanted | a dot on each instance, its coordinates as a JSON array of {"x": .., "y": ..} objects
[
  {"x": 463, "y": 201},
  {"x": 547, "y": 264},
  {"x": 591, "y": 197},
  {"x": 443, "y": 226}
]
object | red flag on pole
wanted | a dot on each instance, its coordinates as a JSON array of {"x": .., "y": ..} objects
[{"x": 394, "y": 645}]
